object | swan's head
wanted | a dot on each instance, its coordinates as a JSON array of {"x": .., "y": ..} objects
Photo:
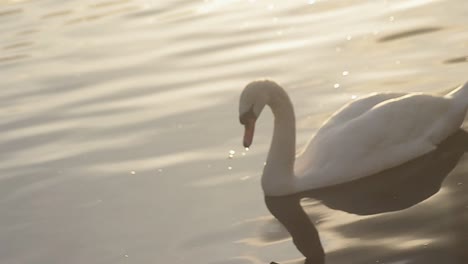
[{"x": 252, "y": 101}]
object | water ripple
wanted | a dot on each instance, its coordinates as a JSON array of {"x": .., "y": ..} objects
[{"x": 409, "y": 33}]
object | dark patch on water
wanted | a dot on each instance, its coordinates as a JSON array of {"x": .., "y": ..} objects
[
  {"x": 409, "y": 33},
  {"x": 109, "y": 3},
  {"x": 14, "y": 58},
  {"x": 457, "y": 60},
  {"x": 90, "y": 18},
  {"x": 27, "y": 32},
  {"x": 57, "y": 14},
  {"x": 10, "y": 12},
  {"x": 18, "y": 45}
]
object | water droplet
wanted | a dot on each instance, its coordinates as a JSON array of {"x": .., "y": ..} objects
[
  {"x": 345, "y": 73},
  {"x": 243, "y": 153},
  {"x": 232, "y": 152},
  {"x": 126, "y": 255},
  {"x": 245, "y": 178},
  {"x": 229, "y": 168},
  {"x": 353, "y": 96},
  {"x": 349, "y": 37},
  {"x": 133, "y": 172},
  {"x": 337, "y": 85},
  {"x": 460, "y": 183},
  {"x": 311, "y": 2},
  {"x": 264, "y": 163},
  {"x": 391, "y": 19},
  {"x": 246, "y": 149}
]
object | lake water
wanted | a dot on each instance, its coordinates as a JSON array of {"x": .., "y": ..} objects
[{"x": 118, "y": 117}]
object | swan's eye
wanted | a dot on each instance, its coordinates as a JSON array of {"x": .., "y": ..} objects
[{"x": 247, "y": 116}]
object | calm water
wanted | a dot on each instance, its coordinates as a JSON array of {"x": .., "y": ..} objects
[{"x": 118, "y": 117}]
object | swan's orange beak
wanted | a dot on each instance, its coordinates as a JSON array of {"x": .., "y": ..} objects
[{"x": 249, "y": 131}]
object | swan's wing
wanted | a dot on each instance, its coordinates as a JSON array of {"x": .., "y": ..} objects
[
  {"x": 357, "y": 108},
  {"x": 349, "y": 112},
  {"x": 405, "y": 119},
  {"x": 389, "y": 134}
]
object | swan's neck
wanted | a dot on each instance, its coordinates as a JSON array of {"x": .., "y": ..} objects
[{"x": 278, "y": 174}]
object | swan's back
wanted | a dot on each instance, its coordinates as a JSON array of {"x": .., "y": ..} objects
[{"x": 356, "y": 109}]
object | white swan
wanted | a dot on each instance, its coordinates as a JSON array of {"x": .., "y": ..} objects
[{"x": 364, "y": 137}]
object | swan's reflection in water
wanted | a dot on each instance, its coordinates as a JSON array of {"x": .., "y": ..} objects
[{"x": 395, "y": 189}]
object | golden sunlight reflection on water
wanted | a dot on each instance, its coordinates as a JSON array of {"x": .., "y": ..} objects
[{"x": 120, "y": 138}]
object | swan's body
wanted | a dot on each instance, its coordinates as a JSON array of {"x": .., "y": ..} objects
[{"x": 366, "y": 136}]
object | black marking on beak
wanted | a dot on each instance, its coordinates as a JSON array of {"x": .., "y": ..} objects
[{"x": 245, "y": 117}]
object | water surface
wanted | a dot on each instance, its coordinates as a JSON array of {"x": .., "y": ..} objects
[{"x": 118, "y": 117}]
